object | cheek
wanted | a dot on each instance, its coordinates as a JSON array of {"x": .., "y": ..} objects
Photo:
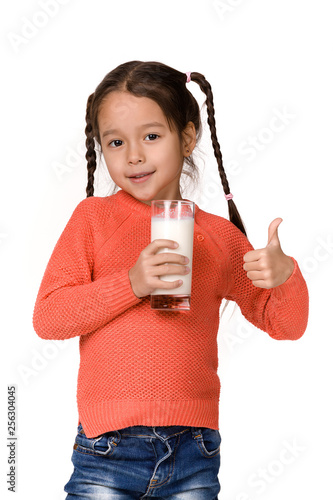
[
  {"x": 112, "y": 166},
  {"x": 110, "y": 159},
  {"x": 173, "y": 155}
]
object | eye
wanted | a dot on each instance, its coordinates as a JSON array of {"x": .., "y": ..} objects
[
  {"x": 115, "y": 141},
  {"x": 152, "y": 135}
]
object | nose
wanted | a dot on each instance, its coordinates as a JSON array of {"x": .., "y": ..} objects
[{"x": 135, "y": 155}]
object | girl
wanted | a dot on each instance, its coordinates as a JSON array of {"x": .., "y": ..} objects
[{"x": 148, "y": 389}]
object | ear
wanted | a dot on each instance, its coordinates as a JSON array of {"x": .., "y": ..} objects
[{"x": 189, "y": 139}]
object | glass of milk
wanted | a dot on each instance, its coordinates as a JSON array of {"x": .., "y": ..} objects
[{"x": 173, "y": 220}]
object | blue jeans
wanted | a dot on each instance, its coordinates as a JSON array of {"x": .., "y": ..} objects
[{"x": 169, "y": 463}]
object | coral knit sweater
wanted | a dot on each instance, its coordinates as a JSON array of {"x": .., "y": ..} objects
[{"x": 140, "y": 366}]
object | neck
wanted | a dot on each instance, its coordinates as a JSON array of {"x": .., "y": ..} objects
[
  {"x": 148, "y": 202},
  {"x": 141, "y": 206}
]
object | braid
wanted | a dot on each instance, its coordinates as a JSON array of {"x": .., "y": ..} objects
[
  {"x": 90, "y": 154},
  {"x": 234, "y": 216}
]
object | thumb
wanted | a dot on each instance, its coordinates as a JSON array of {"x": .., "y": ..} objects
[{"x": 273, "y": 238}]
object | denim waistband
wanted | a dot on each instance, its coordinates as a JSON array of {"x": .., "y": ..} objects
[
  {"x": 165, "y": 432},
  {"x": 161, "y": 432}
]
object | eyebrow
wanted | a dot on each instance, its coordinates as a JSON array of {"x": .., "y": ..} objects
[{"x": 146, "y": 125}]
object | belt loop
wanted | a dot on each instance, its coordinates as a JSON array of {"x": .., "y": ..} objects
[
  {"x": 196, "y": 433},
  {"x": 116, "y": 439}
]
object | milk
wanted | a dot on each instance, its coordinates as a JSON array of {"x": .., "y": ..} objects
[{"x": 180, "y": 230}]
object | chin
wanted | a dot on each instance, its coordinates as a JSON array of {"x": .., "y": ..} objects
[
  {"x": 143, "y": 197},
  {"x": 145, "y": 200}
]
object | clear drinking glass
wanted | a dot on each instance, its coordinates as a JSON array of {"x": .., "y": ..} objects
[{"x": 173, "y": 220}]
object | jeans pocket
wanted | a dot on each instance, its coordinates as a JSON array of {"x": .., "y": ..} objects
[
  {"x": 102, "y": 445},
  {"x": 208, "y": 441}
]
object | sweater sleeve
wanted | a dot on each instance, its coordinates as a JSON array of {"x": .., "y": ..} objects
[
  {"x": 282, "y": 311},
  {"x": 69, "y": 303}
]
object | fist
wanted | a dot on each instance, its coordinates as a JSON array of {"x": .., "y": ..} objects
[
  {"x": 269, "y": 267},
  {"x": 145, "y": 274}
]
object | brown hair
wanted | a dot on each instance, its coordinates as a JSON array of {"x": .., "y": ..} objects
[{"x": 167, "y": 87}]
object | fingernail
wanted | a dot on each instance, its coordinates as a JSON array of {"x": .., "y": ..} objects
[
  {"x": 186, "y": 260},
  {"x": 187, "y": 269}
]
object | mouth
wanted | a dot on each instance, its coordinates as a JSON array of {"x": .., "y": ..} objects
[{"x": 141, "y": 177}]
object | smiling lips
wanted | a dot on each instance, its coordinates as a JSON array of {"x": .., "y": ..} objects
[{"x": 141, "y": 177}]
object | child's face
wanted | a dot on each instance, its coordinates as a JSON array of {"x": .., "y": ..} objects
[{"x": 132, "y": 145}]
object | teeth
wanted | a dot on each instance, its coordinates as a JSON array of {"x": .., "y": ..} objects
[{"x": 138, "y": 176}]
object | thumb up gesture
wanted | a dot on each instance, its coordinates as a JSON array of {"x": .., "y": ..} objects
[{"x": 269, "y": 267}]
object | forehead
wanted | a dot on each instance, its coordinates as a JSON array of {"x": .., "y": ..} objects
[{"x": 125, "y": 107}]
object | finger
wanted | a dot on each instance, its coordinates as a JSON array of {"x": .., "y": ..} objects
[
  {"x": 170, "y": 269},
  {"x": 257, "y": 265},
  {"x": 255, "y": 275},
  {"x": 155, "y": 245},
  {"x": 273, "y": 238},
  {"x": 253, "y": 255},
  {"x": 168, "y": 285},
  {"x": 164, "y": 258}
]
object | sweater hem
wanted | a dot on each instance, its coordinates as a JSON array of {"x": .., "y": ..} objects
[{"x": 118, "y": 414}]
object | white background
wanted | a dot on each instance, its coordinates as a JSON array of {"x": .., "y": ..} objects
[{"x": 261, "y": 58}]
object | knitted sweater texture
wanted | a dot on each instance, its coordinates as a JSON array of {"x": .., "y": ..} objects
[{"x": 140, "y": 366}]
